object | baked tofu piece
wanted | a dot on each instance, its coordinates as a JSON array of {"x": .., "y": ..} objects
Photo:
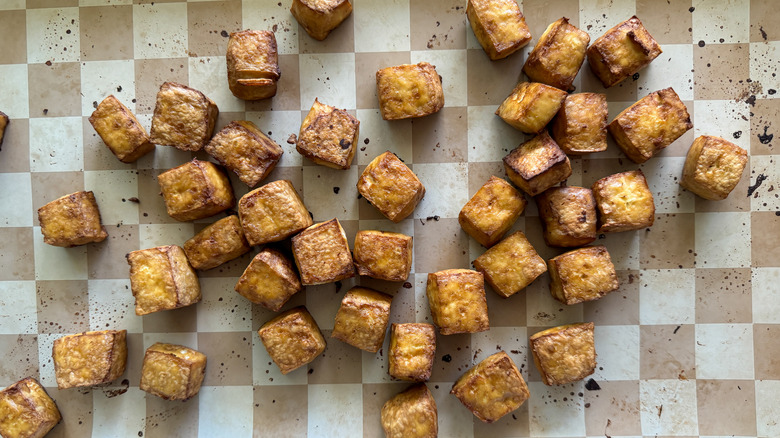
[
  {"x": 537, "y": 164},
  {"x": 390, "y": 186},
  {"x": 362, "y": 318},
  {"x": 26, "y": 410},
  {"x": 269, "y": 280},
  {"x": 564, "y": 354},
  {"x": 412, "y": 347},
  {"x": 580, "y": 127},
  {"x": 650, "y": 124},
  {"x": 71, "y": 220},
  {"x": 3, "y": 124},
  {"x": 457, "y": 301},
  {"x": 499, "y": 26},
  {"x": 322, "y": 253},
  {"x": 320, "y": 17},
  {"x": 195, "y": 190},
  {"x": 89, "y": 358},
  {"x": 584, "y": 274},
  {"x": 246, "y": 151},
  {"x": 624, "y": 202},
  {"x": 216, "y": 244},
  {"x": 511, "y": 265},
  {"x": 409, "y": 90},
  {"x": 531, "y": 106},
  {"x": 492, "y": 211},
  {"x": 411, "y": 414},
  {"x": 558, "y": 55},
  {"x": 120, "y": 130},
  {"x": 622, "y": 51},
  {"x": 173, "y": 372},
  {"x": 568, "y": 216},
  {"x": 272, "y": 213},
  {"x": 292, "y": 339},
  {"x": 492, "y": 388},
  {"x": 328, "y": 136},
  {"x": 252, "y": 64},
  {"x": 183, "y": 117},
  {"x": 161, "y": 278},
  {"x": 713, "y": 167},
  {"x": 383, "y": 255}
]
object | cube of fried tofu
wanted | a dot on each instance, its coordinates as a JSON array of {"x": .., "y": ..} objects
[
  {"x": 412, "y": 347},
  {"x": 120, "y": 130},
  {"x": 89, "y": 358},
  {"x": 272, "y": 213},
  {"x": 537, "y": 164},
  {"x": 195, "y": 190},
  {"x": 558, "y": 55},
  {"x": 216, "y": 244},
  {"x": 322, "y": 253},
  {"x": 713, "y": 167},
  {"x": 411, "y": 414},
  {"x": 390, "y": 186},
  {"x": 320, "y": 17},
  {"x": 492, "y": 388},
  {"x": 292, "y": 339},
  {"x": 511, "y": 265},
  {"x": 246, "y": 151},
  {"x": 183, "y": 117},
  {"x": 624, "y": 202},
  {"x": 568, "y": 216},
  {"x": 492, "y": 211},
  {"x": 409, "y": 90},
  {"x": 383, "y": 255},
  {"x": 457, "y": 301},
  {"x": 564, "y": 354},
  {"x": 3, "y": 124},
  {"x": 583, "y": 274},
  {"x": 26, "y": 410},
  {"x": 252, "y": 64},
  {"x": 580, "y": 127},
  {"x": 499, "y": 26},
  {"x": 161, "y": 278},
  {"x": 622, "y": 51},
  {"x": 269, "y": 280},
  {"x": 328, "y": 136},
  {"x": 173, "y": 372},
  {"x": 362, "y": 319},
  {"x": 71, "y": 220},
  {"x": 531, "y": 106},
  {"x": 650, "y": 124}
]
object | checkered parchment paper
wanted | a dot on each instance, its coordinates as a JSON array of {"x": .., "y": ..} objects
[{"x": 688, "y": 346}]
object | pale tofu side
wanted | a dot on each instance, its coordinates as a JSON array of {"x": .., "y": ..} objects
[
  {"x": 622, "y": 51},
  {"x": 457, "y": 301},
  {"x": 270, "y": 280},
  {"x": 328, "y": 136},
  {"x": 713, "y": 167},
  {"x": 511, "y": 265},
  {"x": 252, "y": 64},
  {"x": 322, "y": 253},
  {"x": 499, "y": 26},
  {"x": 319, "y": 17},
  {"x": 362, "y": 319},
  {"x": 216, "y": 244},
  {"x": 531, "y": 106},
  {"x": 90, "y": 358},
  {"x": 492, "y": 211},
  {"x": 411, "y": 414},
  {"x": 26, "y": 410},
  {"x": 537, "y": 164},
  {"x": 390, "y": 186},
  {"x": 172, "y": 372},
  {"x": 71, "y": 220},
  {"x": 292, "y": 339},
  {"x": 568, "y": 216},
  {"x": 383, "y": 255},
  {"x": 584, "y": 274},
  {"x": 120, "y": 130},
  {"x": 624, "y": 202},
  {"x": 564, "y": 354},
  {"x": 245, "y": 150},
  {"x": 3, "y": 124},
  {"x": 162, "y": 279},
  {"x": 412, "y": 350},
  {"x": 272, "y": 213},
  {"x": 195, "y": 190},
  {"x": 409, "y": 90},
  {"x": 580, "y": 127},
  {"x": 183, "y": 117},
  {"x": 558, "y": 55}
]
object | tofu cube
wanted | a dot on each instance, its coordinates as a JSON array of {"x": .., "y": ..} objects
[
  {"x": 411, "y": 414},
  {"x": 492, "y": 211},
  {"x": 292, "y": 339},
  {"x": 564, "y": 354},
  {"x": 409, "y": 90},
  {"x": 383, "y": 255},
  {"x": 568, "y": 216},
  {"x": 216, "y": 244},
  {"x": 328, "y": 136},
  {"x": 161, "y": 278},
  {"x": 320, "y": 17},
  {"x": 120, "y": 130},
  {"x": 558, "y": 55},
  {"x": 252, "y": 64},
  {"x": 390, "y": 186},
  {"x": 511, "y": 265},
  {"x": 624, "y": 202},
  {"x": 499, "y": 26},
  {"x": 195, "y": 190},
  {"x": 622, "y": 51},
  {"x": 713, "y": 167},
  {"x": 362, "y": 319},
  {"x": 3, "y": 124},
  {"x": 584, "y": 274},
  {"x": 492, "y": 388},
  {"x": 322, "y": 253},
  {"x": 580, "y": 127},
  {"x": 272, "y": 213},
  {"x": 537, "y": 164},
  {"x": 246, "y": 151},
  {"x": 412, "y": 347},
  {"x": 89, "y": 358},
  {"x": 71, "y": 220},
  {"x": 173, "y": 372},
  {"x": 457, "y": 301},
  {"x": 531, "y": 106},
  {"x": 183, "y": 117},
  {"x": 26, "y": 410},
  {"x": 270, "y": 280}
]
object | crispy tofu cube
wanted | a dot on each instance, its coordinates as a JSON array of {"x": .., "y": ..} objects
[
  {"x": 120, "y": 130},
  {"x": 558, "y": 55},
  {"x": 409, "y": 90},
  {"x": 568, "y": 216},
  {"x": 457, "y": 301},
  {"x": 411, "y": 414},
  {"x": 713, "y": 167},
  {"x": 252, "y": 64},
  {"x": 564, "y": 354},
  {"x": 269, "y": 280},
  {"x": 584, "y": 274},
  {"x": 322, "y": 253},
  {"x": 383, "y": 255},
  {"x": 624, "y": 202},
  {"x": 320, "y": 17},
  {"x": 622, "y": 51},
  {"x": 531, "y": 106},
  {"x": 161, "y": 278},
  {"x": 580, "y": 127},
  {"x": 511, "y": 265},
  {"x": 26, "y": 410},
  {"x": 3, "y": 124},
  {"x": 362, "y": 318},
  {"x": 292, "y": 339},
  {"x": 216, "y": 244},
  {"x": 272, "y": 213},
  {"x": 246, "y": 151},
  {"x": 195, "y": 190},
  {"x": 173, "y": 372},
  {"x": 390, "y": 186},
  {"x": 537, "y": 164},
  {"x": 499, "y": 26},
  {"x": 89, "y": 358},
  {"x": 412, "y": 347},
  {"x": 183, "y": 117},
  {"x": 492, "y": 211},
  {"x": 328, "y": 136},
  {"x": 71, "y": 220},
  {"x": 492, "y": 388}
]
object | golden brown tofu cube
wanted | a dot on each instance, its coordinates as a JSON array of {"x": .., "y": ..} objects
[
  {"x": 292, "y": 339},
  {"x": 216, "y": 244},
  {"x": 362, "y": 318},
  {"x": 511, "y": 265},
  {"x": 409, "y": 90},
  {"x": 564, "y": 354},
  {"x": 328, "y": 136},
  {"x": 457, "y": 301},
  {"x": 161, "y": 278},
  {"x": 252, "y": 64},
  {"x": 322, "y": 253},
  {"x": 71, "y": 220},
  {"x": 90, "y": 358},
  {"x": 120, "y": 130},
  {"x": 713, "y": 167},
  {"x": 195, "y": 190},
  {"x": 650, "y": 124},
  {"x": 492, "y": 388},
  {"x": 624, "y": 202},
  {"x": 531, "y": 106},
  {"x": 383, "y": 255},
  {"x": 173, "y": 372},
  {"x": 320, "y": 17},
  {"x": 412, "y": 347},
  {"x": 183, "y": 117},
  {"x": 499, "y": 26},
  {"x": 26, "y": 410},
  {"x": 622, "y": 51},
  {"x": 492, "y": 211},
  {"x": 390, "y": 186},
  {"x": 537, "y": 164},
  {"x": 558, "y": 55},
  {"x": 580, "y": 127},
  {"x": 583, "y": 274},
  {"x": 246, "y": 151},
  {"x": 3, "y": 124},
  {"x": 568, "y": 216},
  {"x": 269, "y": 280},
  {"x": 272, "y": 213},
  {"x": 411, "y": 414}
]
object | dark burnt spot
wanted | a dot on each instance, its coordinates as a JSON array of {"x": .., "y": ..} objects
[
  {"x": 292, "y": 139},
  {"x": 119, "y": 89},
  {"x": 336, "y": 190},
  {"x": 691, "y": 9},
  {"x": 224, "y": 33},
  {"x": 763, "y": 32},
  {"x": 771, "y": 91},
  {"x": 45, "y": 111},
  {"x": 751, "y": 100},
  {"x": 635, "y": 76},
  {"x": 447, "y": 358},
  {"x": 737, "y": 134},
  {"x": 591, "y": 385},
  {"x": 366, "y": 140},
  {"x": 765, "y": 138},
  {"x": 759, "y": 179},
  {"x": 344, "y": 143},
  {"x": 701, "y": 43},
  {"x": 48, "y": 63},
  {"x": 407, "y": 285}
]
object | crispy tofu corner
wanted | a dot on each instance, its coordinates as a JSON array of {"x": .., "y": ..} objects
[
  {"x": 492, "y": 388},
  {"x": 322, "y": 253},
  {"x": 252, "y": 64},
  {"x": 89, "y": 358},
  {"x": 71, "y": 220},
  {"x": 119, "y": 129},
  {"x": 319, "y": 17},
  {"x": 409, "y": 90},
  {"x": 292, "y": 339},
  {"x": 558, "y": 55},
  {"x": 183, "y": 117},
  {"x": 246, "y": 151},
  {"x": 622, "y": 51},
  {"x": 564, "y": 354},
  {"x": 411, "y": 414},
  {"x": 499, "y": 26},
  {"x": 391, "y": 186},
  {"x": 172, "y": 372},
  {"x": 713, "y": 167},
  {"x": 328, "y": 136}
]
